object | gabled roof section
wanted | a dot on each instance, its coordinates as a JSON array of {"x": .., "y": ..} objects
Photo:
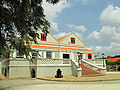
[
  {"x": 66, "y": 39},
  {"x": 59, "y": 39},
  {"x": 50, "y": 37}
]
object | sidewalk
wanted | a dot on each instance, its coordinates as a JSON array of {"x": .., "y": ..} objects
[
  {"x": 2, "y": 77},
  {"x": 107, "y": 77}
]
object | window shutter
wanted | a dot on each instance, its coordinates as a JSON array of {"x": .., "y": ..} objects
[
  {"x": 53, "y": 55},
  {"x": 41, "y": 37},
  {"x": 44, "y": 54},
  {"x": 89, "y": 56},
  {"x": 72, "y": 40},
  {"x": 44, "y": 37}
]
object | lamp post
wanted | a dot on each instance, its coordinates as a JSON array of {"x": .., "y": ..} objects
[
  {"x": 103, "y": 58},
  {"x": 79, "y": 58}
]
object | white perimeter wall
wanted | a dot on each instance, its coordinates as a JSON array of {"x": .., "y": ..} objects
[{"x": 50, "y": 71}]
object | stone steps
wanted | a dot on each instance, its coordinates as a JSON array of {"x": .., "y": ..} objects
[{"x": 89, "y": 72}]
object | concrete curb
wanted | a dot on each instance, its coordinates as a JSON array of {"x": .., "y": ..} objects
[{"x": 78, "y": 80}]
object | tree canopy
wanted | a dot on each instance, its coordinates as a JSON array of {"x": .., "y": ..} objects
[
  {"x": 19, "y": 21},
  {"x": 113, "y": 63}
]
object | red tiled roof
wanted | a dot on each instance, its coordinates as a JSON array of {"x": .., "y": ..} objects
[
  {"x": 112, "y": 59},
  {"x": 59, "y": 39}
]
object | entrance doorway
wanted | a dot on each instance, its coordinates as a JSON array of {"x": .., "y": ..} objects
[
  {"x": 33, "y": 75},
  {"x": 5, "y": 74}
]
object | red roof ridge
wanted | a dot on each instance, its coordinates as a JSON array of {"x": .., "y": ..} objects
[
  {"x": 59, "y": 39},
  {"x": 112, "y": 59}
]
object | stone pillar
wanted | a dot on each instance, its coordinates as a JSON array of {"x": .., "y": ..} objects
[{"x": 79, "y": 72}]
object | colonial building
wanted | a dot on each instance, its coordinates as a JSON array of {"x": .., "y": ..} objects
[{"x": 68, "y": 53}]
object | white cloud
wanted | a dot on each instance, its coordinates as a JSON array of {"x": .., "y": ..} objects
[
  {"x": 54, "y": 27},
  {"x": 112, "y": 49},
  {"x": 94, "y": 36},
  {"x": 106, "y": 33},
  {"x": 79, "y": 35},
  {"x": 52, "y": 11},
  {"x": 84, "y": 2},
  {"x": 109, "y": 35},
  {"x": 61, "y": 34},
  {"x": 78, "y": 28},
  {"x": 110, "y": 15}
]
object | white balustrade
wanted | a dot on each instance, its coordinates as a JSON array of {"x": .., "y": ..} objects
[
  {"x": 93, "y": 66},
  {"x": 55, "y": 61}
]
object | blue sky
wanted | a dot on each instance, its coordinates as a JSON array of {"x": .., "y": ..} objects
[{"x": 96, "y": 22}]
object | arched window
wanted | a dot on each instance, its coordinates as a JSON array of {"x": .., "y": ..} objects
[{"x": 33, "y": 74}]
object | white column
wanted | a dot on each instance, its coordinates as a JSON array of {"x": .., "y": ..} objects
[
  {"x": 53, "y": 55},
  {"x": 39, "y": 54},
  {"x": 14, "y": 54},
  {"x": 93, "y": 56},
  {"x": 30, "y": 55},
  {"x": 79, "y": 72},
  {"x": 44, "y": 54},
  {"x": 60, "y": 55},
  {"x": 24, "y": 56},
  {"x": 77, "y": 57},
  {"x": 72, "y": 55},
  {"x": 83, "y": 55}
]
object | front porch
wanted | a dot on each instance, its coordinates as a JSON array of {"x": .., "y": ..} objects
[{"x": 14, "y": 67}]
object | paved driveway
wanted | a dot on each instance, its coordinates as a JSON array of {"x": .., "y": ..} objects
[{"x": 52, "y": 85}]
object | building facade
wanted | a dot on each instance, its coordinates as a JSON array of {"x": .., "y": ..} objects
[{"x": 67, "y": 53}]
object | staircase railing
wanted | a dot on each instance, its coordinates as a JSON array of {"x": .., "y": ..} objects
[{"x": 93, "y": 66}]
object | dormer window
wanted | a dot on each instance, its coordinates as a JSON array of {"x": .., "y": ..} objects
[
  {"x": 43, "y": 37},
  {"x": 72, "y": 40}
]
